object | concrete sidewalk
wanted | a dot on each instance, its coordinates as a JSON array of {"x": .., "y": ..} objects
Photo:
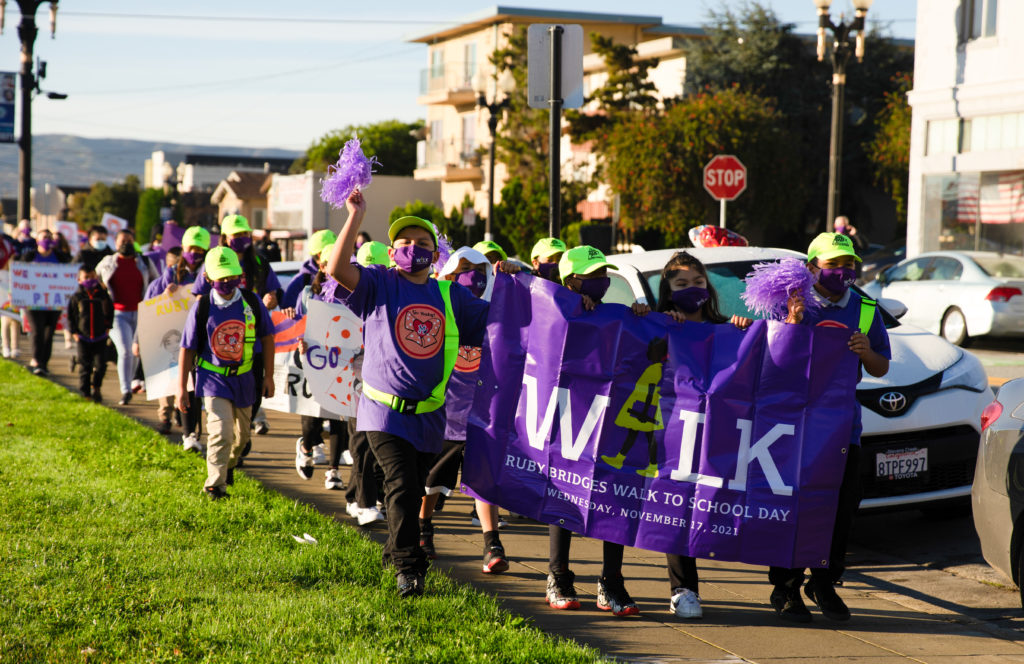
[{"x": 901, "y": 612}]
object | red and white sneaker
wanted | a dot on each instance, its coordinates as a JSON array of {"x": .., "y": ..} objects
[
  {"x": 561, "y": 593},
  {"x": 612, "y": 596},
  {"x": 494, "y": 560}
]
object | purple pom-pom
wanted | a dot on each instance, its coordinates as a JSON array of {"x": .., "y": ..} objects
[
  {"x": 770, "y": 286},
  {"x": 444, "y": 249},
  {"x": 352, "y": 170}
]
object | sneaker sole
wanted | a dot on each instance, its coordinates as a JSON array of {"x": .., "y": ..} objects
[
  {"x": 496, "y": 567},
  {"x": 628, "y": 611},
  {"x": 303, "y": 474},
  {"x": 686, "y": 615},
  {"x": 571, "y": 605}
]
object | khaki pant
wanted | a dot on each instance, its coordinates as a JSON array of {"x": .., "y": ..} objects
[
  {"x": 165, "y": 407},
  {"x": 227, "y": 431}
]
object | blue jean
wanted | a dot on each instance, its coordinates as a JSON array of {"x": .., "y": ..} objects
[{"x": 122, "y": 334}]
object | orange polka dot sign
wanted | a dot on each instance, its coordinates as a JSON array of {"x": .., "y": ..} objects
[{"x": 335, "y": 338}]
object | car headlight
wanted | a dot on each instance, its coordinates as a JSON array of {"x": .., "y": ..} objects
[{"x": 966, "y": 374}]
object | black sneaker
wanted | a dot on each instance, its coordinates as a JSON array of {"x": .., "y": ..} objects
[
  {"x": 96, "y": 396},
  {"x": 494, "y": 560},
  {"x": 410, "y": 584},
  {"x": 125, "y": 398},
  {"x": 215, "y": 492},
  {"x": 427, "y": 544},
  {"x": 561, "y": 593},
  {"x": 825, "y": 596},
  {"x": 612, "y": 596},
  {"x": 261, "y": 428},
  {"x": 790, "y": 607}
]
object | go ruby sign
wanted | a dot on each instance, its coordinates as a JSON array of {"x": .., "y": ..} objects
[{"x": 725, "y": 177}]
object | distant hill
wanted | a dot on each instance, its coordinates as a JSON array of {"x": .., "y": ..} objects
[{"x": 72, "y": 160}]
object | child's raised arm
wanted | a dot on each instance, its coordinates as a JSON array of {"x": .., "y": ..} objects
[{"x": 339, "y": 265}]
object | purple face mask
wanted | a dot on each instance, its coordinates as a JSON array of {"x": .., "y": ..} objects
[
  {"x": 47, "y": 244},
  {"x": 595, "y": 288},
  {"x": 89, "y": 284},
  {"x": 690, "y": 299},
  {"x": 412, "y": 258},
  {"x": 240, "y": 243},
  {"x": 837, "y": 279},
  {"x": 193, "y": 257},
  {"x": 473, "y": 280},
  {"x": 548, "y": 271},
  {"x": 227, "y": 287}
]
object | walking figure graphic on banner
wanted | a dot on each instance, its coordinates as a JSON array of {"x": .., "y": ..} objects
[{"x": 636, "y": 415}]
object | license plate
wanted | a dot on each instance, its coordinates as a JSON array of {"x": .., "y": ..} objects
[{"x": 905, "y": 464}]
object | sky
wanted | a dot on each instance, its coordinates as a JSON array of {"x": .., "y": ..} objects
[{"x": 255, "y": 73}]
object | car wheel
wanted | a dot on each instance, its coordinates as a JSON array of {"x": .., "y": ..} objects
[{"x": 954, "y": 327}]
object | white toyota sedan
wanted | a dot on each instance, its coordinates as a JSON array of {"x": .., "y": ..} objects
[{"x": 926, "y": 409}]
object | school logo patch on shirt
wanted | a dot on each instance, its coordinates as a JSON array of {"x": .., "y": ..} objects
[
  {"x": 468, "y": 360},
  {"x": 419, "y": 330},
  {"x": 228, "y": 340}
]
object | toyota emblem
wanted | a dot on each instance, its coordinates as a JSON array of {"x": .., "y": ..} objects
[{"x": 892, "y": 402}]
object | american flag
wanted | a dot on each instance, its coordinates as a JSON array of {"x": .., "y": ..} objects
[{"x": 996, "y": 198}]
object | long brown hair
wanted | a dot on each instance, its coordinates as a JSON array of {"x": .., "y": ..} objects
[{"x": 679, "y": 260}]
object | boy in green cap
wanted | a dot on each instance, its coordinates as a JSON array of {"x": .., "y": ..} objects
[
  {"x": 545, "y": 256},
  {"x": 832, "y": 259},
  {"x": 413, "y": 327},
  {"x": 492, "y": 250}
]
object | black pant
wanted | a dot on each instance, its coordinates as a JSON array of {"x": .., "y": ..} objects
[
  {"x": 92, "y": 365},
  {"x": 44, "y": 324},
  {"x": 405, "y": 471},
  {"x": 365, "y": 477},
  {"x": 682, "y": 572},
  {"x": 559, "y": 540},
  {"x": 192, "y": 419},
  {"x": 849, "y": 501},
  {"x": 313, "y": 435}
]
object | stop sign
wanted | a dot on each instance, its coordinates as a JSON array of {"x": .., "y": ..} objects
[{"x": 725, "y": 177}]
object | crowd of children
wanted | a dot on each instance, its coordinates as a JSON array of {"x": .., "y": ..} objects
[{"x": 405, "y": 444}]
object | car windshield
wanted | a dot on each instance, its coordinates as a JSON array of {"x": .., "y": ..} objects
[
  {"x": 728, "y": 280},
  {"x": 1001, "y": 265}
]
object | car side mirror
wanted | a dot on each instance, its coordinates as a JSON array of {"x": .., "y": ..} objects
[
  {"x": 894, "y": 307},
  {"x": 883, "y": 277}
]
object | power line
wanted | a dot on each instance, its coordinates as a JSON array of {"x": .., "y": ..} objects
[{"x": 256, "y": 19}]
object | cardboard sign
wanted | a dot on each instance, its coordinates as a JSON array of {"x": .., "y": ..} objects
[
  {"x": 69, "y": 230},
  {"x": 334, "y": 337},
  {"x": 42, "y": 285},
  {"x": 114, "y": 223},
  {"x": 161, "y": 322}
]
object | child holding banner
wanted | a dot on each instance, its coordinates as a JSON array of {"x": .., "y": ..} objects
[
  {"x": 545, "y": 256},
  {"x": 832, "y": 259},
  {"x": 309, "y": 269},
  {"x": 43, "y": 321},
  {"x": 227, "y": 334},
  {"x": 90, "y": 317},
  {"x": 584, "y": 270},
  {"x": 469, "y": 268},
  {"x": 412, "y": 332}
]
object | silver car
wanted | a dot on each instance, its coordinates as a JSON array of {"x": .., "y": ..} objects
[
  {"x": 958, "y": 294},
  {"x": 998, "y": 493}
]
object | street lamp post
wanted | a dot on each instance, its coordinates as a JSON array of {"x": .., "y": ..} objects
[
  {"x": 505, "y": 84},
  {"x": 27, "y": 32},
  {"x": 846, "y": 41}
]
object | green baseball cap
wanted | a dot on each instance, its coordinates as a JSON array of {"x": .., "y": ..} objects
[
  {"x": 404, "y": 222},
  {"x": 582, "y": 260},
  {"x": 222, "y": 262},
  {"x": 547, "y": 247},
  {"x": 233, "y": 224},
  {"x": 373, "y": 253},
  {"x": 321, "y": 240},
  {"x": 487, "y": 246},
  {"x": 196, "y": 236},
  {"x": 830, "y": 245}
]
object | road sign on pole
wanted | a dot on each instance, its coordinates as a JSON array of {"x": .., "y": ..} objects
[
  {"x": 7, "y": 87},
  {"x": 538, "y": 65},
  {"x": 725, "y": 178}
]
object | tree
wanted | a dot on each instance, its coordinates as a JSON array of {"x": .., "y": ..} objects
[
  {"x": 147, "y": 216},
  {"x": 391, "y": 141},
  {"x": 656, "y": 166},
  {"x": 889, "y": 150},
  {"x": 120, "y": 198}
]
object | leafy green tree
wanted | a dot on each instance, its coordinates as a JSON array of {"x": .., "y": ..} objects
[
  {"x": 120, "y": 198},
  {"x": 391, "y": 141},
  {"x": 147, "y": 216},
  {"x": 656, "y": 166},
  {"x": 889, "y": 150}
]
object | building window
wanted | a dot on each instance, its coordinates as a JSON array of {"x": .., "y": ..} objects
[
  {"x": 943, "y": 137},
  {"x": 468, "y": 136},
  {"x": 979, "y": 19},
  {"x": 437, "y": 63},
  {"x": 993, "y": 132},
  {"x": 468, "y": 65}
]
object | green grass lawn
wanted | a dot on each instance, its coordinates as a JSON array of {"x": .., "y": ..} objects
[{"x": 108, "y": 552}]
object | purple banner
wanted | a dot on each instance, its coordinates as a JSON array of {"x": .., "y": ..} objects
[
  {"x": 172, "y": 235},
  {"x": 694, "y": 439}
]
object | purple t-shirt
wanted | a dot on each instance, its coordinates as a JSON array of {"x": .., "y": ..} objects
[
  {"x": 403, "y": 338},
  {"x": 461, "y": 390},
  {"x": 202, "y": 284},
  {"x": 847, "y": 315},
  {"x": 225, "y": 331}
]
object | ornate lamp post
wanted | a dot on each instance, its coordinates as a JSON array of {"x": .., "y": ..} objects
[
  {"x": 504, "y": 85},
  {"x": 27, "y": 32},
  {"x": 849, "y": 37}
]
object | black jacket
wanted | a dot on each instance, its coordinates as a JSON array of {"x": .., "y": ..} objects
[
  {"x": 91, "y": 313},
  {"x": 90, "y": 257}
]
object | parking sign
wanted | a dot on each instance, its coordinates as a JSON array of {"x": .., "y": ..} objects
[{"x": 8, "y": 83}]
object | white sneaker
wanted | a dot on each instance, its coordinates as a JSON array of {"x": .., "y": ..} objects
[
  {"x": 346, "y": 458},
  {"x": 303, "y": 462},
  {"x": 475, "y": 520},
  {"x": 6, "y": 352},
  {"x": 319, "y": 455},
  {"x": 370, "y": 515},
  {"x": 332, "y": 480},
  {"x": 353, "y": 510},
  {"x": 686, "y": 604},
  {"x": 191, "y": 443}
]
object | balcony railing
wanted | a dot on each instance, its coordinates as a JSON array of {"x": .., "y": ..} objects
[{"x": 450, "y": 77}]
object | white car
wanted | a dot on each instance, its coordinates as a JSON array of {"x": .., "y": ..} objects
[
  {"x": 958, "y": 294},
  {"x": 927, "y": 407}
]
